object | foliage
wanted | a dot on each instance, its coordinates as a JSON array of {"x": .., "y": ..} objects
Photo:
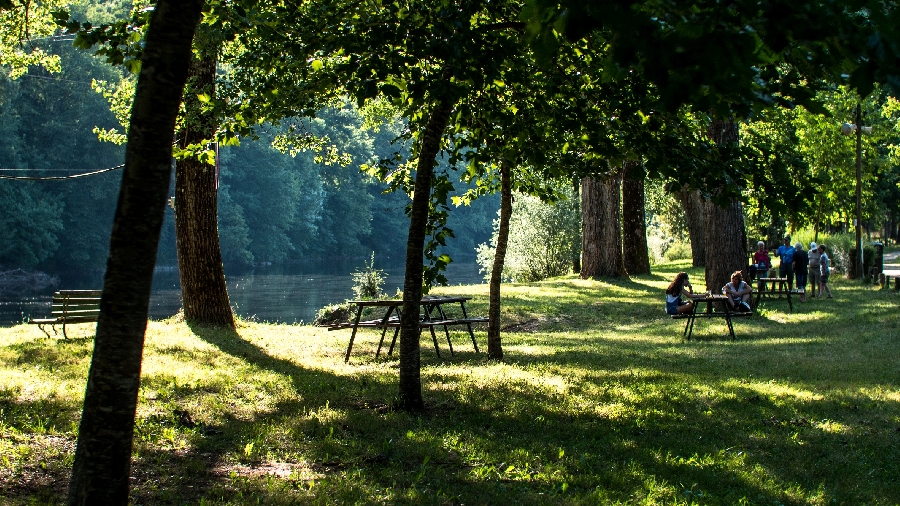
[
  {"x": 678, "y": 251},
  {"x": 541, "y": 235},
  {"x": 334, "y": 313},
  {"x": 24, "y": 27},
  {"x": 368, "y": 283},
  {"x": 600, "y": 402}
]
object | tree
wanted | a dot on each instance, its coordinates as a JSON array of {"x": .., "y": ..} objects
[
  {"x": 726, "y": 238},
  {"x": 203, "y": 290},
  {"x": 634, "y": 224},
  {"x": 101, "y": 466},
  {"x": 601, "y": 229}
]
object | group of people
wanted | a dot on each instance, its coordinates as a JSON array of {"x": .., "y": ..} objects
[{"x": 813, "y": 266}]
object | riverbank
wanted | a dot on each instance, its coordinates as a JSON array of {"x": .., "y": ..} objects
[{"x": 599, "y": 401}]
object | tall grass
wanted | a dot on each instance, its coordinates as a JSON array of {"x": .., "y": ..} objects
[{"x": 599, "y": 401}]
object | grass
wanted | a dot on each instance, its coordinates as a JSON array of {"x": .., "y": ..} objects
[{"x": 599, "y": 401}]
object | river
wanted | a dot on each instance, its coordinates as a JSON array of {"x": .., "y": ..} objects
[{"x": 278, "y": 293}]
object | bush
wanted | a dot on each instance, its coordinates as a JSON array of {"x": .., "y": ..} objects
[
  {"x": 541, "y": 236},
  {"x": 678, "y": 251},
  {"x": 368, "y": 283},
  {"x": 333, "y": 313}
]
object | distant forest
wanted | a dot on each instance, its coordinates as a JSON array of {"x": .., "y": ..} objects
[{"x": 273, "y": 208}]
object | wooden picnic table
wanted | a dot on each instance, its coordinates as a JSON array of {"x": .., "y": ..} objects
[
  {"x": 764, "y": 290},
  {"x": 710, "y": 312},
  {"x": 434, "y": 313}
]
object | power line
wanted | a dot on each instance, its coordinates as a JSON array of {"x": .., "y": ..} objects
[{"x": 57, "y": 178}]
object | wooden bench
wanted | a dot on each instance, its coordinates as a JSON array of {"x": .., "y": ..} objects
[{"x": 71, "y": 306}]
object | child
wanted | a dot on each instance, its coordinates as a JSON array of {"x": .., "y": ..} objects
[
  {"x": 680, "y": 286},
  {"x": 738, "y": 293},
  {"x": 825, "y": 266}
]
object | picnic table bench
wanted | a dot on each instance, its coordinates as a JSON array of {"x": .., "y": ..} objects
[
  {"x": 886, "y": 276},
  {"x": 71, "y": 306},
  {"x": 763, "y": 289},
  {"x": 434, "y": 314},
  {"x": 710, "y": 312}
]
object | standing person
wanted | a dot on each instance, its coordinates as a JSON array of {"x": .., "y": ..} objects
[
  {"x": 815, "y": 272},
  {"x": 761, "y": 261},
  {"x": 680, "y": 286},
  {"x": 738, "y": 293},
  {"x": 786, "y": 269},
  {"x": 801, "y": 258},
  {"x": 825, "y": 265}
]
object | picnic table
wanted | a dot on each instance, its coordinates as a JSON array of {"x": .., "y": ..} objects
[
  {"x": 770, "y": 287},
  {"x": 710, "y": 312},
  {"x": 434, "y": 313}
]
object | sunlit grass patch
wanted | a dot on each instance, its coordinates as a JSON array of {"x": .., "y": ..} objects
[{"x": 599, "y": 401}]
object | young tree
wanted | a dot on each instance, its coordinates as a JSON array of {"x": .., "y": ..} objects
[{"x": 102, "y": 466}]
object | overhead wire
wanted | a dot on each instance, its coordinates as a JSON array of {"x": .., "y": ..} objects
[{"x": 57, "y": 178}]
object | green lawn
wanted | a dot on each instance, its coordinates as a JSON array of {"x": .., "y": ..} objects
[{"x": 599, "y": 401}]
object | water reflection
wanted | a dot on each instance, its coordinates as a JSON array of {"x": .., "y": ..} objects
[{"x": 283, "y": 293}]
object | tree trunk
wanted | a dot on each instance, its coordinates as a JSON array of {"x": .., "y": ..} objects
[
  {"x": 495, "y": 350},
  {"x": 695, "y": 215},
  {"x": 601, "y": 233},
  {"x": 203, "y": 291},
  {"x": 410, "y": 397},
  {"x": 726, "y": 236},
  {"x": 634, "y": 225},
  {"x": 576, "y": 247},
  {"x": 103, "y": 454}
]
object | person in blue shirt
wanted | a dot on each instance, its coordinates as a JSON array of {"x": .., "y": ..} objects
[{"x": 786, "y": 269}]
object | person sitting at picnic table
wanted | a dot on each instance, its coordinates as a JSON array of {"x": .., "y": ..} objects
[
  {"x": 680, "y": 286},
  {"x": 786, "y": 268},
  {"x": 738, "y": 293},
  {"x": 801, "y": 259},
  {"x": 825, "y": 265},
  {"x": 761, "y": 261}
]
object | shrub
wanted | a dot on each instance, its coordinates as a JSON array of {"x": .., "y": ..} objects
[
  {"x": 678, "y": 251},
  {"x": 368, "y": 283}
]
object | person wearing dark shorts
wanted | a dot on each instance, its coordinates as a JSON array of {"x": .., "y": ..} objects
[
  {"x": 786, "y": 269},
  {"x": 801, "y": 259}
]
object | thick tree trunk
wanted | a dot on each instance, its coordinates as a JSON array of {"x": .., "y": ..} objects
[
  {"x": 601, "y": 232},
  {"x": 495, "y": 350},
  {"x": 634, "y": 225},
  {"x": 203, "y": 291},
  {"x": 103, "y": 454},
  {"x": 726, "y": 237},
  {"x": 410, "y": 397},
  {"x": 695, "y": 215},
  {"x": 728, "y": 244}
]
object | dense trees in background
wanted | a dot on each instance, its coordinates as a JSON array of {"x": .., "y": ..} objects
[{"x": 273, "y": 207}]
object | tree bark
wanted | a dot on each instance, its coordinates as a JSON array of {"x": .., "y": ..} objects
[
  {"x": 103, "y": 453},
  {"x": 410, "y": 397},
  {"x": 601, "y": 235},
  {"x": 495, "y": 350},
  {"x": 634, "y": 223},
  {"x": 576, "y": 248},
  {"x": 203, "y": 291},
  {"x": 726, "y": 236},
  {"x": 695, "y": 215}
]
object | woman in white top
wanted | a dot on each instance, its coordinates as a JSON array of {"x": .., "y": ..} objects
[{"x": 738, "y": 293}]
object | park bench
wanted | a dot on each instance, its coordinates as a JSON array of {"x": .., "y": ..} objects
[{"x": 71, "y": 306}]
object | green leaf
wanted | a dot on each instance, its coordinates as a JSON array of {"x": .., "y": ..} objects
[{"x": 317, "y": 65}]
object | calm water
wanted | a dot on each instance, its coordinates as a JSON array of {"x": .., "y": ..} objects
[{"x": 286, "y": 294}]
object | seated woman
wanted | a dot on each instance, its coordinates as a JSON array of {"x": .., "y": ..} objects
[
  {"x": 681, "y": 286},
  {"x": 761, "y": 261},
  {"x": 738, "y": 293}
]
